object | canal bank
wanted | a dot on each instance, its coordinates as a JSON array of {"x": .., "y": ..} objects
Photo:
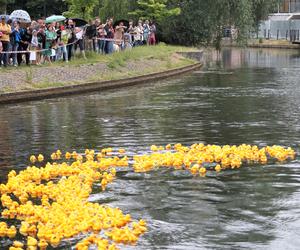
[
  {"x": 97, "y": 73},
  {"x": 264, "y": 44}
]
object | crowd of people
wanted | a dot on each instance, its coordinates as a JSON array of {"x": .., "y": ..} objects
[{"x": 38, "y": 42}]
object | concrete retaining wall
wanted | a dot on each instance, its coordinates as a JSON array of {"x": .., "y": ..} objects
[{"x": 92, "y": 86}]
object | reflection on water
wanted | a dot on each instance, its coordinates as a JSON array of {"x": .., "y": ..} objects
[{"x": 248, "y": 96}]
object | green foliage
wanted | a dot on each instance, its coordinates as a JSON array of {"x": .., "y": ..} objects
[
  {"x": 203, "y": 22},
  {"x": 261, "y": 9},
  {"x": 118, "y": 9},
  {"x": 188, "y": 22},
  {"x": 80, "y": 8},
  {"x": 36, "y": 8},
  {"x": 4, "y": 4},
  {"x": 155, "y": 10}
]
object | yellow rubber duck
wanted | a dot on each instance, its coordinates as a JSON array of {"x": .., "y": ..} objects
[
  {"x": 55, "y": 240},
  {"x": 194, "y": 170},
  {"x": 18, "y": 244},
  {"x": 31, "y": 242},
  {"x": 32, "y": 159},
  {"x": 218, "y": 168},
  {"x": 202, "y": 170},
  {"x": 11, "y": 232},
  {"x": 40, "y": 158},
  {"x": 42, "y": 244}
]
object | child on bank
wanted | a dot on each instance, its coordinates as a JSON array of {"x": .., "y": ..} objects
[{"x": 34, "y": 46}]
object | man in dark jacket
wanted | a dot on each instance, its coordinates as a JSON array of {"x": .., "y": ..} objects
[
  {"x": 70, "y": 29},
  {"x": 26, "y": 35},
  {"x": 90, "y": 35}
]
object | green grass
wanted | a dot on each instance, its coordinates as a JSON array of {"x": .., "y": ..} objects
[
  {"x": 47, "y": 84},
  {"x": 119, "y": 59}
]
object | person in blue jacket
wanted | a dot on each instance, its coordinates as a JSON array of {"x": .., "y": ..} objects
[{"x": 15, "y": 39}]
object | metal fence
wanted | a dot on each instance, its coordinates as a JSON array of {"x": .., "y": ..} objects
[{"x": 276, "y": 30}]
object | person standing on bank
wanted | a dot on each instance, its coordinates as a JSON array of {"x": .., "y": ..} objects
[
  {"x": 26, "y": 36},
  {"x": 119, "y": 34},
  {"x": 101, "y": 33},
  {"x": 152, "y": 37},
  {"x": 5, "y": 31},
  {"x": 90, "y": 34},
  {"x": 110, "y": 33},
  {"x": 146, "y": 32},
  {"x": 70, "y": 29},
  {"x": 15, "y": 40}
]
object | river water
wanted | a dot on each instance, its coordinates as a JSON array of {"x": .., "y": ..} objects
[{"x": 244, "y": 96}]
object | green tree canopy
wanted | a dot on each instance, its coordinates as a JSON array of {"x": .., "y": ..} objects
[
  {"x": 188, "y": 22},
  {"x": 36, "y": 8},
  {"x": 81, "y": 8},
  {"x": 3, "y": 6},
  {"x": 156, "y": 10},
  {"x": 203, "y": 21},
  {"x": 118, "y": 9}
]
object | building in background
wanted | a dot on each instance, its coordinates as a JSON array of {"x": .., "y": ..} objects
[
  {"x": 285, "y": 24},
  {"x": 289, "y": 6}
]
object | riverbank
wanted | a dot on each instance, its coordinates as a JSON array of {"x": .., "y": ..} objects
[
  {"x": 97, "y": 68},
  {"x": 264, "y": 43}
]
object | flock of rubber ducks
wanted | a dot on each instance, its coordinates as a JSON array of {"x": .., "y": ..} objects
[
  {"x": 51, "y": 201},
  {"x": 200, "y": 158}
]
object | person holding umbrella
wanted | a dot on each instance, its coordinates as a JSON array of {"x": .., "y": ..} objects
[
  {"x": 5, "y": 31},
  {"x": 54, "y": 19}
]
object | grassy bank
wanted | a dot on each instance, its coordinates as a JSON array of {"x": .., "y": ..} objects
[{"x": 138, "y": 61}]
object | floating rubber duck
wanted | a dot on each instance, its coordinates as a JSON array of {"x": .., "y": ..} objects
[
  {"x": 42, "y": 244},
  {"x": 31, "y": 242},
  {"x": 32, "y": 159},
  {"x": 218, "y": 168},
  {"x": 11, "y": 232},
  {"x": 202, "y": 171},
  {"x": 18, "y": 244},
  {"x": 40, "y": 158}
]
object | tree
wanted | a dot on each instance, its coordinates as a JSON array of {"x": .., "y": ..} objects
[
  {"x": 118, "y": 9},
  {"x": 203, "y": 22},
  {"x": 80, "y": 8},
  {"x": 262, "y": 8},
  {"x": 37, "y": 8},
  {"x": 44, "y": 8},
  {"x": 154, "y": 10},
  {"x": 4, "y": 4}
]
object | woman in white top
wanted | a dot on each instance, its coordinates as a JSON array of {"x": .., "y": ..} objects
[
  {"x": 137, "y": 36},
  {"x": 34, "y": 46},
  {"x": 79, "y": 41}
]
